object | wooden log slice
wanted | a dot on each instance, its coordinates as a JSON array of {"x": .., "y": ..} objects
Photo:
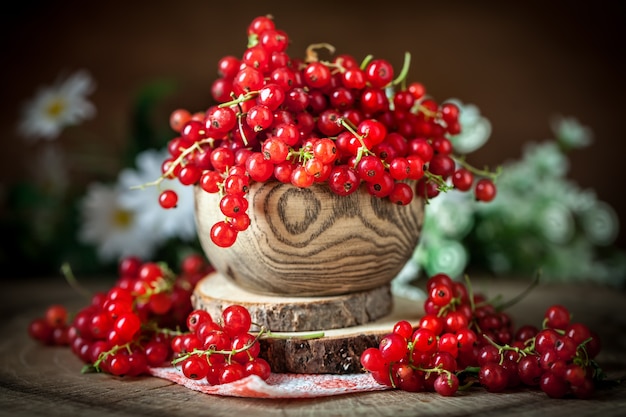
[
  {"x": 293, "y": 314},
  {"x": 339, "y": 351}
]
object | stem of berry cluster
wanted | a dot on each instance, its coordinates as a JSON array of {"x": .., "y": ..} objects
[
  {"x": 96, "y": 365},
  {"x": 312, "y": 55},
  {"x": 303, "y": 154},
  {"x": 485, "y": 172},
  {"x": 238, "y": 100},
  {"x": 66, "y": 270},
  {"x": 363, "y": 150},
  {"x": 366, "y": 61},
  {"x": 241, "y": 128},
  {"x": 501, "y": 348},
  {"x": 263, "y": 333},
  {"x": 520, "y": 296},
  {"x": 401, "y": 78},
  {"x": 196, "y": 146},
  {"x": 442, "y": 185},
  {"x": 286, "y": 336}
]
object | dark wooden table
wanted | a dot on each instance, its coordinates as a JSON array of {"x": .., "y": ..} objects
[{"x": 46, "y": 381}]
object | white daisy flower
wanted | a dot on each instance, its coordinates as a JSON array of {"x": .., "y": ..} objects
[
  {"x": 176, "y": 222},
  {"x": 113, "y": 229},
  {"x": 475, "y": 128},
  {"x": 55, "y": 107}
]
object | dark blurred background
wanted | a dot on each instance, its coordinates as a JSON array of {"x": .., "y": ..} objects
[{"x": 521, "y": 63}]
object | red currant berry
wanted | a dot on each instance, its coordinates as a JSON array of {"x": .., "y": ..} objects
[
  {"x": 223, "y": 234},
  {"x": 393, "y": 347},
  {"x": 485, "y": 190},
  {"x": 236, "y": 320},
  {"x": 446, "y": 384},
  {"x": 316, "y": 75},
  {"x": 168, "y": 199},
  {"x": 462, "y": 179},
  {"x": 402, "y": 194},
  {"x": 379, "y": 73},
  {"x": 441, "y": 294},
  {"x": 557, "y": 317}
]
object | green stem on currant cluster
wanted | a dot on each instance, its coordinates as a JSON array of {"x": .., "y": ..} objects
[
  {"x": 209, "y": 352},
  {"x": 442, "y": 185},
  {"x": 241, "y": 129},
  {"x": 419, "y": 108},
  {"x": 501, "y": 348},
  {"x": 311, "y": 54},
  {"x": 470, "y": 291},
  {"x": 520, "y": 296},
  {"x": 338, "y": 64},
  {"x": 287, "y": 336},
  {"x": 401, "y": 78},
  {"x": 470, "y": 370},
  {"x": 95, "y": 367},
  {"x": 253, "y": 40},
  {"x": 239, "y": 99},
  {"x": 466, "y": 386},
  {"x": 451, "y": 306},
  {"x": 66, "y": 270},
  {"x": 262, "y": 334},
  {"x": 438, "y": 370},
  {"x": 303, "y": 154},
  {"x": 366, "y": 61},
  {"x": 485, "y": 172},
  {"x": 161, "y": 284},
  {"x": 363, "y": 150},
  {"x": 170, "y": 171}
]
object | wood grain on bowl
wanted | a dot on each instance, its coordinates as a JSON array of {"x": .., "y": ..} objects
[{"x": 310, "y": 242}]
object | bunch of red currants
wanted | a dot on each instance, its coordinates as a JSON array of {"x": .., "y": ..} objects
[
  {"x": 128, "y": 328},
  {"x": 147, "y": 320},
  {"x": 464, "y": 340},
  {"x": 339, "y": 122}
]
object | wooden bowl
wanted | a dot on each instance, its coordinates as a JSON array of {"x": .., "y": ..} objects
[{"x": 311, "y": 242}]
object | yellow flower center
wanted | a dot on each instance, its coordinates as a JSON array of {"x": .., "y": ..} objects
[
  {"x": 55, "y": 107},
  {"x": 122, "y": 218}
]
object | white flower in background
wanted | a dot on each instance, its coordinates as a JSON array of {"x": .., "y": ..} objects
[
  {"x": 600, "y": 224},
  {"x": 451, "y": 213},
  {"x": 556, "y": 223},
  {"x": 113, "y": 229},
  {"x": 177, "y": 222},
  {"x": 570, "y": 133},
  {"x": 546, "y": 159},
  {"x": 441, "y": 255},
  {"x": 55, "y": 107},
  {"x": 475, "y": 129}
]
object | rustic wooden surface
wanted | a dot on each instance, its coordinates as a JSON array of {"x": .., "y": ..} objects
[{"x": 38, "y": 381}]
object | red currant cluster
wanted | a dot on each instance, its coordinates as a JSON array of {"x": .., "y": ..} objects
[
  {"x": 128, "y": 328},
  {"x": 52, "y": 328},
  {"x": 220, "y": 352},
  {"x": 307, "y": 121},
  {"x": 464, "y": 340}
]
